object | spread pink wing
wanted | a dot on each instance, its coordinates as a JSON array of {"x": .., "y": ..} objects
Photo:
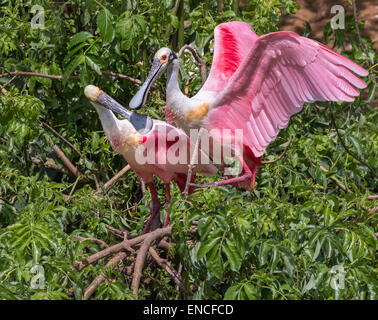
[
  {"x": 281, "y": 72},
  {"x": 232, "y": 43}
]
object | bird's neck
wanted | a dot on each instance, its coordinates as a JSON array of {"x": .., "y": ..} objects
[
  {"x": 111, "y": 125},
  {"x": 174, "y": 94}
]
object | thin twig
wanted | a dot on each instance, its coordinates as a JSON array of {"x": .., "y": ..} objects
[
  {"x": 101, "y": 278},
  {"x": 66, "y": 161},
  {"x": 338, "y": 182},
  {"x": 345, "y": 147},
  {"x": 357, "y": 28},
  {"x": 113, "y": 180},
  {"x": 60, "y": 137},
  {"x": 117, "y": 232},
  {"x": 200, "y": 62},
  {"x": 58, "y": 77},
  {"x": 282, "y": 154},
  {"x": 192, "y": 159},
  {"x": 177, "y": 286},
  {"x": 9, "y": 81},
  {"x": 102, "y": 244}
]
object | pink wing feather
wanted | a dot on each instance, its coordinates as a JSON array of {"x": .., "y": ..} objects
[
  {"x": 281, "y": 71},
  {"x": 232, "y": 43}
]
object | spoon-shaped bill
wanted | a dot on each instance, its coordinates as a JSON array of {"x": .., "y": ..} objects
[{"x": 141, "y": 123}]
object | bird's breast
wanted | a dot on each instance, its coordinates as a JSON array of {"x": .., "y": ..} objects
[
  {"x": 197, "y": 113},
  {"x": 130, "y": 143}
]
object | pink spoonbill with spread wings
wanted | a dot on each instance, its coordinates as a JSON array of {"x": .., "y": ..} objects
[
  {"x": 255, "y": 85},
  {"x": 136, "y": 136}
]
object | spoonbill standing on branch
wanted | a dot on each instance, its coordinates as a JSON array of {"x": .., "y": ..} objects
[
  {"x": 136, "y": 136},
  {"x": 255, "y": 85}
]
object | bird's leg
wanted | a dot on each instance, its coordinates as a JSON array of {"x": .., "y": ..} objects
[
  {"x": 155, "y": 208},
  {"x": 167, "y": 202},
  {"x": 247, "y": 175}
]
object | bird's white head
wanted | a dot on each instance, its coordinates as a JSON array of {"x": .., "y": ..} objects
[{"x": 162, "y": 59}]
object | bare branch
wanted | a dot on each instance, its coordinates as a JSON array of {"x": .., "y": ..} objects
[
  {"x": 192, "y": 159},
  {"x": 113, "y": 180},
  {"x": 373, "y": 210},
  {"x": 57, "y": 77},
  {"x": 101, "y": 244},
  {"x": 200, "y": 62},
  {"x": 282, "y": 154},
  {"x": 142, "y": 253},
  {"x": 167, "y": 267},
  {"x": 101, "y": 278},
  {"x": 60, "y": 137},
  {"x": 126, "y": 244},
  {"x": 338, "y": 182},
  {"x": 75, "y": 171}
]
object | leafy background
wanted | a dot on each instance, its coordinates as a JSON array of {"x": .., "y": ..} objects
[{"x": 292, "y": 238}]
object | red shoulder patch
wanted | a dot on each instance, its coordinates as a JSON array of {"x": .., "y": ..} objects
[{"x": 231, "y": 58}]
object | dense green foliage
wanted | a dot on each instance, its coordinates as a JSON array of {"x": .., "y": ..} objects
[{"x": 302, "y": 233}]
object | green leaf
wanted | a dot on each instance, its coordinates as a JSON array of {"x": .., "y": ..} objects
[
  {"x": 104, "y": 23},
  {"x": 71, "y": 67},
  {"x": 174, "y": 21},
  {"x": 214, "y": 262},
  {"x": 79, "y": 38},
  {"x": 233, "y": 254},
  {"x": 206, "y": 246},
  {"x": 371, "y": 93},
  {"x": 232, "y": 292},
  {"x": 93, "y": 65},
  {"x": 124, "y": 28}
]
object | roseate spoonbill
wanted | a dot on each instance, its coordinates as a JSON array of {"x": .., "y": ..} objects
[
  {"x": 255, "y": 84},
  {"x": 126, "y": 139}
]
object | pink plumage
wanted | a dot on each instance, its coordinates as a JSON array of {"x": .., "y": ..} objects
[
  {"x": 161, "y": 138},
  {"x": 255, "y": 85},
  {"x": 281, "y": 71}
]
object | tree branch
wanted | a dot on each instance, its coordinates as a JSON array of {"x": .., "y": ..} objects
[
  {"x": 101, "y": 244},
  {"x": 345, "y": 147},
  {"x": 101, "y": 278},
  {"x": 142, "y": 253},
  {"x": 199, "y": 62},
  {"x": 113, "y": 180},
  {"x": 192, "y": 159},
  {"x": 167, "y": 267},
  {"x": 357, "y": 28},
  {"x": 60, "y": 137},
  {"x": 58, "y": 77},
  {"x": 75, "y": 171},
  {"x": 282, "y": 154}
]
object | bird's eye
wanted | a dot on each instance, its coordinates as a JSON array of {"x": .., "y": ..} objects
[{"x": 164, "y": 57}]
